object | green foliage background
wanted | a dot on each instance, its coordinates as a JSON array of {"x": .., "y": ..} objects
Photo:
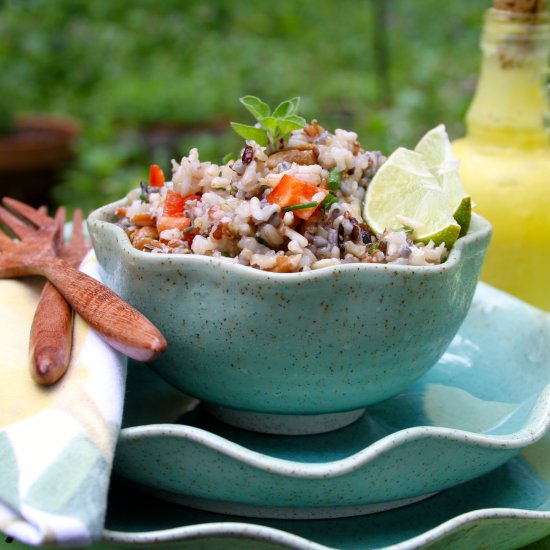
[{"x": 124, "y": 67}]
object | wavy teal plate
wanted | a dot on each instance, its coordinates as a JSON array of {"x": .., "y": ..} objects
[
  {"x": 505, "y": 509},
  {"x": 485, "y": 400}
]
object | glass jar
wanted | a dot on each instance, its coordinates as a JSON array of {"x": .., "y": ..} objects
[{"x": 505, "y": 155}]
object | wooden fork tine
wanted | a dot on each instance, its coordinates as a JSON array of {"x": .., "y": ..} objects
[
  {"x": 78, "y": 236},
  {"x": 60, "y": 221},
  {"x": 5, "y": 241},
  {"x": 14, "y": 224},
  {"x": 60, "y": 215},
  {"x": 28, "y": 212}
]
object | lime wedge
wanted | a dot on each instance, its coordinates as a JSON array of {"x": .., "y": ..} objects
[
  {"x": 436, "y": 149},
  {"x": 463, "y": 215},
  {"x": 421, "y": 189}
]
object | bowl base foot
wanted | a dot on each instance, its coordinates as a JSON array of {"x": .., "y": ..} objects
[
  {"x": 276, "y": 512},
  {"x": 284, "y": 424}
]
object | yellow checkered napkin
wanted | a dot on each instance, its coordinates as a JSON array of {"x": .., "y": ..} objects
[{"x": 56, "y": 443}]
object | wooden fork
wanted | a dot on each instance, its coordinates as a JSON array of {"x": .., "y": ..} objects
[
  {"x": 51, "y": 335},
  {"x": 34, "y": 253}
]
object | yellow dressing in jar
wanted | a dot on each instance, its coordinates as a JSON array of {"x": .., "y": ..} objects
[{"x": 505, "y": 156}]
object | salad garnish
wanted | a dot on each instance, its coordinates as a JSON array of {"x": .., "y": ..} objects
[{"x": 272, "y": 129}]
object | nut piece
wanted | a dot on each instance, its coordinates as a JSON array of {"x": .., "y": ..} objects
[
  {"x": 304, "y": 157},
  {"x": 284, "y": 264},
  {"x": 145, "y": 236}
]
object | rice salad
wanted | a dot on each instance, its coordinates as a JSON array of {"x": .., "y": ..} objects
[{"x": 290, "y": 206}]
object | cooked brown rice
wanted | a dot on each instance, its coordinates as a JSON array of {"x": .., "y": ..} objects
[{"x": 231, "y": 217}]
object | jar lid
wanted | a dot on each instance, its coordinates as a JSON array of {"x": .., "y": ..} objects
[{"x": 521, "y": 6}]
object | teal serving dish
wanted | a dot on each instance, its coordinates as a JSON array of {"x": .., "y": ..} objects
[
  {"x": 505, "y": 509},
  {"x": 484, "y": 401},
  {"x": 298, "y": 352}
]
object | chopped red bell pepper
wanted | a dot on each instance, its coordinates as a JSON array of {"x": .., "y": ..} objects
[
  {"x": 173, "y": 205},
  {"x": 291, "y": 191},
  {"x": 173, "y": 216},
  {"x": 173, "y": 222},
  {"x": 156, "y": 176}
]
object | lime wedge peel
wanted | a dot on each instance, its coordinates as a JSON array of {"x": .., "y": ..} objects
[
  {"x": 422, "y": 186},
  {"x": 463, "y": 215},
  {"x": 436, "y": 149}
]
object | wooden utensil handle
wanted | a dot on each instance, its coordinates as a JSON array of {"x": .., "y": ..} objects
[
  {"x": 51, "y": 337},
  {"x": 119, "y": 324}
]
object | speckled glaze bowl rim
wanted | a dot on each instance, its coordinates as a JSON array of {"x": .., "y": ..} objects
[
  {"x": 536, "y": 428},
  {"x": 480, "y": 229},
  {"x": 254, "y": 532}
]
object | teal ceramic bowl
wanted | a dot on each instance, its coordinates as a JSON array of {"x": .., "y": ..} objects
[{"x": 318, "y": 346}]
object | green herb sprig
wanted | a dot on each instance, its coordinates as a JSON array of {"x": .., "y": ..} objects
[
  {"x": 334, "y": 179},
  {"x": 300, "y": 206},
  {"x": 374, "y": 247},
  {"x": 228, "y": 157},
  {"x": 329, "y": 200},
  {"x": 144, "y": 195},
  {"x": 273, "y": 128}
]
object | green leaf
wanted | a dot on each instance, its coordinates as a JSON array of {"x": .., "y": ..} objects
[
  {"x": 298, "y": 119},
  {"x": 229, "y": 156},
  {"x": 334, "y": 179},
  {"x": 275, "y": 127},
  {"x": 287, "y": 108},
  {"x": 329, "y": 200},
  {"x": 270, "y": 123},
  {"x": 286, "y": 126},
  {"x": 259, "y": 135},
  {"x": 300, "y": 206},
  {"x": 256, "y": 106}
]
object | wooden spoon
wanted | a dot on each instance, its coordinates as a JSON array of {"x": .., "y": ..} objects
[
  {"x": 34, "y": 253},
  {"x": 51, "y": 335}
]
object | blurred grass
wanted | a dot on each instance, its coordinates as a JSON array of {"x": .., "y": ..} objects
[{"x": 150, "y": 80}]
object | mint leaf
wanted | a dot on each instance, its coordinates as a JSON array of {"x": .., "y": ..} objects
[
  {"x": 270, "y": 123},
  {"x": 228, "y": 157},
  {"x": 298, "y": 119},
  {"x": 273, "y": 129},
  {"x": 259, "y": 135},
  {"x": 286, "y": 126},
  {"x": 256, "y": 106},
  {"x": 287, "y": 108},
  {"x": 296, "y": 103}
]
